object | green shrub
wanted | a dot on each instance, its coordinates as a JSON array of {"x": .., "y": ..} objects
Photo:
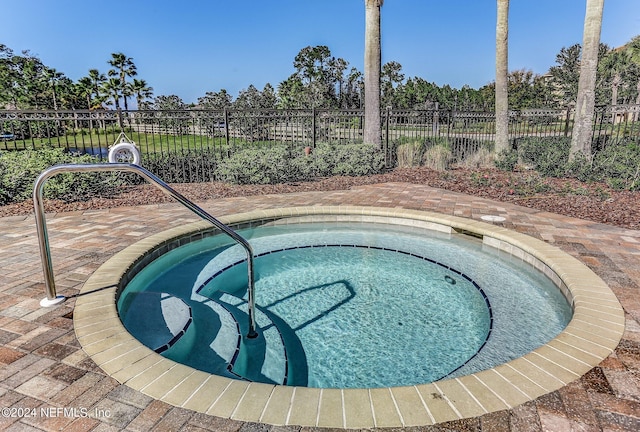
[
  {"x": 258, "y": 166},
  {"x": 357, "y": 160},
  {"x": 507, "y": 160},
  {"x": 20, "y": 169},
  {"x": 618, "y": 165},
  {"x": 548, "y": 156},
  {"x": 280, "y": 164}
]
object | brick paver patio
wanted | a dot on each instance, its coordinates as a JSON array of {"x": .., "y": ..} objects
[{"x": 48, "y": 383}]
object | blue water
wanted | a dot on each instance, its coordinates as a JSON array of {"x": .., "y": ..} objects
[{"x": 364, "y": 306}]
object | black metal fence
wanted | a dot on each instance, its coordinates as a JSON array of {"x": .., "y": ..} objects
[{"x": 216, "y": 134}]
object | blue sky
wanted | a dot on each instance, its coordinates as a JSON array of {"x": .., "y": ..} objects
[{"x": 189, "y": 47}]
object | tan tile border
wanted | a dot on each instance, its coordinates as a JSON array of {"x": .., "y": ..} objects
[{"x": 592, "y": 334}]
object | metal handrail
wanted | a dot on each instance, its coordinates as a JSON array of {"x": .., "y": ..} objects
[{"x": 43, "y": 238}]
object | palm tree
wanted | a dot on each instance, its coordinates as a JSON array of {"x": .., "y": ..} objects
[
  {"x": 97, "y": 81},
  {"x": 141, "y": 91},
  {"x": 372, "y": 71},
  {"x": 585, "y": 105},
  {"x": 502, "y": 73},
  {"x": 124, "y": 67},
  {"x": 112, "y": 88},
  {"x": 52, "y": 76},
  {"x": 84, "y": 87}
]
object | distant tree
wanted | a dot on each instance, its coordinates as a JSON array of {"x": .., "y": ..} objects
[
  {"x": 320, "y": 75},
  {"x": 84, "y": 88},
  {"x": 215, "y": 100},
  {"x": 527, "y": 90},
  {"x": 585, "y": 104},
  {"x": 634, "y": 48},
  {"x": 52, "y": 76},
  {"x": 112, "y": 88},
  {"x": 269, "y": 98},
  {"x": 248, "y": 99},
  {"x": 252, "y": 98},
  {"x": 566, "y": 73},
  {"x": 66, "y": 95},
  {"x": 291, "y": 93},
  {"x": 124, "y": 67},
  {"x": 170, "y": 102},
  {"x": 391, "y": 76},
  {"x": 406, "y": 94},
  {"x": 614, "y": 68},
  {"x": 142, "y": 91},
  {"x": 372, "y": 72},
  {"x": 337, "y": 68},
  {"x": 353, "y": 92},
  {"x": 312, "y": 63},
  {"x": 97, "y": 80},
  {"x": 417, "y": 93},
  {"x": 7, "y": 76},
  {"x": 32, "y": 87},
  {"x": 502, "y": 72}
]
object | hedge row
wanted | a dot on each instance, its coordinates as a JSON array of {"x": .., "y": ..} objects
[
  {"x": 617, "y": 165},
  {"x": 262, "y": 165}
]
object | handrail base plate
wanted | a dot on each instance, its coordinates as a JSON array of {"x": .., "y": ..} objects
[{"x": 46, "y": 302}]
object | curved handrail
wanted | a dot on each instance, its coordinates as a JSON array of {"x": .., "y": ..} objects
[{"x": 43, "y": 238}]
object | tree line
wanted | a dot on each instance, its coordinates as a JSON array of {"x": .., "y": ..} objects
[
  {"x": 27, "y": 83},
  {"x": 320, "y": 80}
]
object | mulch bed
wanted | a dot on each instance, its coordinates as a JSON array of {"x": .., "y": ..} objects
[{"x": 591, "y": 201}]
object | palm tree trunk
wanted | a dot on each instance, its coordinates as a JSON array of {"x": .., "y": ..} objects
[
  {"x": 372, "y": 70},
  {"x": 585, "y": 105},
  {"x": 502, "y": 71}
]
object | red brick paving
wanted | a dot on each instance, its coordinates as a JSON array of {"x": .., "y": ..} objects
[{"x": 42, "y": 366}]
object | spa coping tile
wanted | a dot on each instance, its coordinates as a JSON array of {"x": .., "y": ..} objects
[
  {"x": 331, "y": 409},
  {"x": 185, "y": 389},
  {"x": 357, "y": 409},
  {"x": 461, "y": 400},
  {"x": 253, "y": 402},
  {"x": 166, "y": 382},
  {"x": 410, "y": 406},
  {"x": 150, "y": 374},
  {"x": 226, "y": 404},
  {"x": 439, "y": 408},
  {"x": 492, "y": 391},
  {"x": 304, "y": 407},
  {"x": 206, "y": 394},
  {"x": 277, "y": 408}
]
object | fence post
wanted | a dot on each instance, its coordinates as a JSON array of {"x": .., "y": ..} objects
[
  {"x": 386, "y": 139},
  {"x": 313, "y": 127},
  {"x": 566, "y": 122},
  {"x": 226, "y": 127}
]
